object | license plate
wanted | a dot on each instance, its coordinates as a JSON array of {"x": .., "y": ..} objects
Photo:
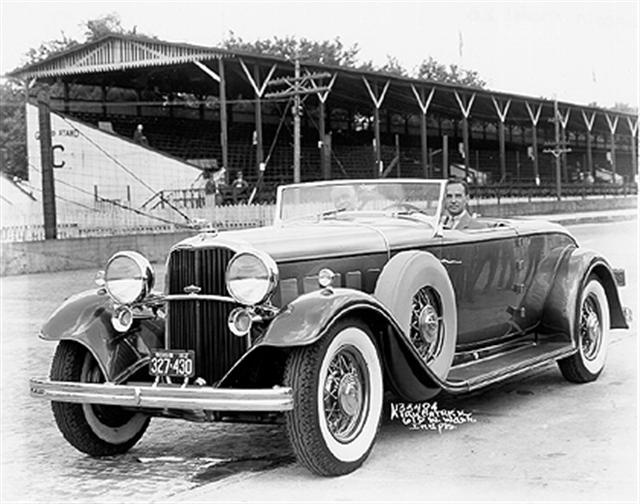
[{"x": 176, "y": 363}]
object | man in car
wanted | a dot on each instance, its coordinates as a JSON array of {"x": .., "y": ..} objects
[{"x": 456, "y": 215}]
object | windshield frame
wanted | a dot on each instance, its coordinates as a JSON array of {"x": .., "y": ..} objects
[{"x": 278, "y": 221}]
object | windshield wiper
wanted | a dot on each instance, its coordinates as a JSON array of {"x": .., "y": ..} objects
[{"x": 330, "y": 213}]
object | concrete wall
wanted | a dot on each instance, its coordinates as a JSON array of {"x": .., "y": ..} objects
[{"x": 77, "y": 253}]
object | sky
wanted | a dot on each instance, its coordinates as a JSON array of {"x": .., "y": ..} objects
[{"x": 580, "y": 52}]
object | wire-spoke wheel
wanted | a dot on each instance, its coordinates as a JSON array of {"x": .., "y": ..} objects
[
  {"x": 338, "y": 391},
  {"x": 427, "y": 327},
  {"x": 94, "y": 429},
  {"x": 592, "y": 335}
]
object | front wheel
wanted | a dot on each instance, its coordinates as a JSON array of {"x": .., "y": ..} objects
[
  {"x": 338, "y": 390},
  {"x": 95, "y": 429},
  {"x": 592, "y": 338}
]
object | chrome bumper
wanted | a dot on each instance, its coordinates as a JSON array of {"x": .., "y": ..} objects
[{"x": 164, "y": 396}]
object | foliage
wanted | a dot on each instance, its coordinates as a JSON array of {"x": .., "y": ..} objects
[
  {"x": 13, "y": 130},
  {"x": 94, "y": 29},
  {"x": 625, "y": 108},
  {"x": 327, "y": 52},
  {"x": 433, "y": 70},
  {"x": 392, "y": 67}
]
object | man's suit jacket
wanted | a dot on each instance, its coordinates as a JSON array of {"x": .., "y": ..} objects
[{"x": 463, "y": 221}]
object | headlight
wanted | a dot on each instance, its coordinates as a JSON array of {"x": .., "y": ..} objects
[
  {"x": 128, "y": 277},
  {"x": 251, "y": 277}
]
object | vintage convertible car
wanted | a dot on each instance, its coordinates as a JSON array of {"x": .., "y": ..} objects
[{"x": 355, "y": 290}]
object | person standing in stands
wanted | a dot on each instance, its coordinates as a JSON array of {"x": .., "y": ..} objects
[
  {"x": 239, "y": 188},
  {"x": 139, "y": 137}
]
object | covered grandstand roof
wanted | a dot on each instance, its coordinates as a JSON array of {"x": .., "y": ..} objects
[{"x": 145, "y": 63}]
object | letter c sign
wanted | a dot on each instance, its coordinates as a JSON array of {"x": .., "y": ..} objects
[{"x": 53, "y": 150}]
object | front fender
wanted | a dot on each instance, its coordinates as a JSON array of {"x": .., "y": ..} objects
[
  {"x": 305, "y": 320},
  {"x": 560, "y": 309},
  {"x": 86, "y": 319}
]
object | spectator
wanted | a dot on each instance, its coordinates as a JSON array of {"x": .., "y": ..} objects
[
  {"x": 239, "y": 188},
  {"x": 139, "y": 137}
]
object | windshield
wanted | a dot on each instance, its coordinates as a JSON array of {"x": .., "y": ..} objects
[{"x": 350, "y": 199}]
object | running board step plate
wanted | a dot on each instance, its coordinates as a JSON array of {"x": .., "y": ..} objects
[{"x": 476, "y": 374}]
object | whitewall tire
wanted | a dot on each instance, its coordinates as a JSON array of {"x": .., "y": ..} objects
[{"x": 338, "y": 393}]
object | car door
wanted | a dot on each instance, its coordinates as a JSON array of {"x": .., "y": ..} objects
[{"x": 485, "y": 269}]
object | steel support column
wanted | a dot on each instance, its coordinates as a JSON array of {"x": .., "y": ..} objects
[
  {"x": 424, "y": 107},
  {"x": 377, "y": 100},
  {"x": 633, "y": 128},
  {"x": 465, "y": 108},
  {"x": 613, "y": 125},
  {"x": 535, "y": 117},
  {"x": 588, "y": 122},
  {"x": 502, "y": 111}
]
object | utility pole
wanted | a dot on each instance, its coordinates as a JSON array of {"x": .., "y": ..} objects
[
  {"x": 295, "y": 87},
  {"x": 297, "y": 112},
  {"x": 558, "y": 150}
]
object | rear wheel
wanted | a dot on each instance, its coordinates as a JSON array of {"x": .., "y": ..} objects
[
  {"x": 593, "y": 323},
  {"x": 338, "y": 391},
  {"x": 94, "y": 429}
]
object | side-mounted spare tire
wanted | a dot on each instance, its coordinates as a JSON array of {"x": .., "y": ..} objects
[{"x": 416, "y": 289}]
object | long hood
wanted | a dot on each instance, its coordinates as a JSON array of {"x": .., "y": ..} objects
[{"x": 320, "y": 240}]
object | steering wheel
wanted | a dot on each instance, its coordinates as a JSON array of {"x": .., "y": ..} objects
[{"x": 403, "y": 206}]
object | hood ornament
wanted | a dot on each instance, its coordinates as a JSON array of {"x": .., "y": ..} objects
[{"x": 192, "y": 289}]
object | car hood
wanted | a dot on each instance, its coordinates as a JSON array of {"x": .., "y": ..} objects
[{"x": 320, "y": 240}]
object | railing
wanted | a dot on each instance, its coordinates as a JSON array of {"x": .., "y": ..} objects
[
  {"x": 120, "y": 221},
  {"x": 530, "y": 192}
]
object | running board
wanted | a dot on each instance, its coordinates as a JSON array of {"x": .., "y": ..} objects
[{"x": 477, "y": 374}]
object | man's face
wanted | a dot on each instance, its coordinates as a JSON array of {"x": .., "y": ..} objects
[{"x": 455, "y": 199}]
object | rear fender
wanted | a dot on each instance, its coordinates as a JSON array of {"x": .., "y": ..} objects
[
  {"x": 86, "y": 319},
  {"x": 560, "y": 309}
]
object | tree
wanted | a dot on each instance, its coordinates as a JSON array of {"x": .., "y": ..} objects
[
  {"x": 13, "y": 130},
  {"x": 327, "y": 52},
  {"x": 433, "y": 70},
  {"x": 93, "y": 30},
  {"x": 392, "y": 67},
  {"x": 12, "y": 114}
]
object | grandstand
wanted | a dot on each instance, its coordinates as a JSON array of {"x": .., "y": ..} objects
[{"x": 200, "y": 103}]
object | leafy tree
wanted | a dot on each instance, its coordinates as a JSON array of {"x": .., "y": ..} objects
[
  {"x": 93, "y": 30},
  {"x": 392, "y": 67},
  {"x": 433, "y": 70},
  {"x": 12, "y": 120},
  {"x": 13, "y": 147},
  {"x": 328, "y": 52},
  {"x": 625, "y": 108}
]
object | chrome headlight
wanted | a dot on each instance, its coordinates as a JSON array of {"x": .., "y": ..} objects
[
  {"x": 251, "y": 277},
  {"x": 128, "y": 277}
]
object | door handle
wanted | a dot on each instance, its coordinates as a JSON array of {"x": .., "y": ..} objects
[{"x": 450, "y": 262}]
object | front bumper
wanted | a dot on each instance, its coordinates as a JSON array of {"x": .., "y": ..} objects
[{"x": 164, "y": 396}]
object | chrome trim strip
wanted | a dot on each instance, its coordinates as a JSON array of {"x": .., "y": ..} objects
[
  {"x": 198, "y": 297},
  {"x": 148, "y": 396}
]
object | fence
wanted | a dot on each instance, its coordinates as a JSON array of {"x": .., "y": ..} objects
[{"x": 78, "y": 223}]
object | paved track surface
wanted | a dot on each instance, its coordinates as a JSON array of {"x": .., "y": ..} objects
[{"x": 536, "y": 438}]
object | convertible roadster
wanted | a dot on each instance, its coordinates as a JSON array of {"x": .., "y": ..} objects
[{"x": 355, "y": 290}]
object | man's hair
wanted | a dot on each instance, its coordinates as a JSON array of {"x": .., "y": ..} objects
[{"x": 461, "y": 182}]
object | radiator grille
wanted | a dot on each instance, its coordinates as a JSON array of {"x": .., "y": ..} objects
[{"x": 202, "y": 325}]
